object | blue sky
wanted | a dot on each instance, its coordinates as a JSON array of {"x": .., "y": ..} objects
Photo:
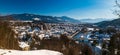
[{"x": 78, "y": 9}]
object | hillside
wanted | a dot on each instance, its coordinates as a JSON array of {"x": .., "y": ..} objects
[
  {"x": 115, "y": 22},
  {"x": 43, "y": 18}
]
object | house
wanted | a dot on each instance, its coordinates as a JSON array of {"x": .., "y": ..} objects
[
  {"x": 24, "y": 46},
  {"x": 90, "y": 29},
  {"x": 41, "y": 36}
]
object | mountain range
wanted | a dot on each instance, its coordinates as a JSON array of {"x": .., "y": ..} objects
[
  {"x": 63, "y": 19},
  {"x": 43, "y": 18}
]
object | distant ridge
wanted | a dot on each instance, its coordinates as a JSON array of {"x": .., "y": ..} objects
[
  {"x": 89, "y": 20},
  {"x": 43, "y": 18},
  {"x": 115, "y": 23}
]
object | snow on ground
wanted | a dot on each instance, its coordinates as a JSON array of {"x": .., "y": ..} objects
[{"x": 34, "y": 52}]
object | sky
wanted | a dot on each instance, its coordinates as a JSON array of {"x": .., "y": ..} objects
[{"x": 78, "y": 9}]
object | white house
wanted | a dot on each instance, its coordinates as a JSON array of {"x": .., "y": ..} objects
[{"x": 41, "y": 36}]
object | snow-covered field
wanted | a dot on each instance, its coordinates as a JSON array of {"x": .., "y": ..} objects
[{"x": 34, "y": 52}]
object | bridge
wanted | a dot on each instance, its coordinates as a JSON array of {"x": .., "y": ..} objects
[{"x": 70, "y": 37}]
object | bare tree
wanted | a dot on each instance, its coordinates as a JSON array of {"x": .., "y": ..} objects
[
  {"x": 117, "y": 4},
  {"x": 117, "y": 8}
]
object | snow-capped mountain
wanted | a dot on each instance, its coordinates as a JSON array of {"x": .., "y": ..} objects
[{"x": 43, "y": 18}]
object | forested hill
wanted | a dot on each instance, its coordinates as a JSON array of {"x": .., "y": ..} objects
[{"x": 115, "y": 22}]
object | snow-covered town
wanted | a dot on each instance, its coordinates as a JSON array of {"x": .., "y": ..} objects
[
  {"x": 81, "y": 33},
  {"x": 59, "y": 27}
]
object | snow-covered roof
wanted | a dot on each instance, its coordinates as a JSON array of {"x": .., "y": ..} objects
[
  {"x": 23, "y": 33},
  {"x": 82, "y": 36},
  {"x": 90, "y": 29},
  {"x": 99, "y": 47},
  {"x": 23, "y": 44},
  {"x": 35, "y": 52}
]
